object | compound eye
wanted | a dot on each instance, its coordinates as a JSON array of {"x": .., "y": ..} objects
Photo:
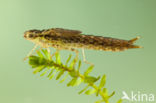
[{"x": 31, "y": 35}]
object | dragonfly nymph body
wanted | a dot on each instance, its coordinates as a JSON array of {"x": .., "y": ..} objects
[
  {"x": 68, "y": 39},
  {"x": 72, "y": 39}
]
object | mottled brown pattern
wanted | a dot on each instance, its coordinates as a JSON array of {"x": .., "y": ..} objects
[
  {"x": 65, "y": 38},
  {"x": 61, "y": 32}
]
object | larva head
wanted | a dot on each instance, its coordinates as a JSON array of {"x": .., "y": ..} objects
[{"x": 31, "y": 34}]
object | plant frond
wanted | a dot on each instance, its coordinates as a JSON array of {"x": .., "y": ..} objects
[{"x": 43, "y": 62}]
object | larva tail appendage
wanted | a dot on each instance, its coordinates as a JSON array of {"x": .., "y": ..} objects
[
  {"x": 135, "y": 46},
  {"x": 134, "y": 40}
]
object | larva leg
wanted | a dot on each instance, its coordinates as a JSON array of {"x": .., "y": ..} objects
[
  {"x": 30, "y": 53},
  {"x": 76, "y": 51},
  {"x": 84, "y": 58},
  {"x": 76, "y": 57}
]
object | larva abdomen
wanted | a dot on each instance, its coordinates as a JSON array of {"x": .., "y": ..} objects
[
  {"x": 107, "y": 43},
  {"x": 67, "y": 39}
]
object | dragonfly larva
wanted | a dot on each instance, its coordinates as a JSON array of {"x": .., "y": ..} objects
[{"x": 72, "y": 39}]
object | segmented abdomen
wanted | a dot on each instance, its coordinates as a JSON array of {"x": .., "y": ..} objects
[
  {"x": 100, "y": 43},
  {"x": 92, "y": 42}
]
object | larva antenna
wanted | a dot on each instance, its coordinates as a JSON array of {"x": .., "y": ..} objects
[{"x": 134, "y": 39}]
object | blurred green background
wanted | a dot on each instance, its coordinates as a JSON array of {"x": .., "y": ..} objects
[{"x": 132, "y": 70}]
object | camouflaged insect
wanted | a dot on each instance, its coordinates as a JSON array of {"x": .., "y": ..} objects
[{"x": 71, "y": 39}]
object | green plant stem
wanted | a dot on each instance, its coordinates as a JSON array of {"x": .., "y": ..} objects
[
  {"x": 43, "y": 60},
  {"x": 81, "y": 76},
  {"x": 96, "y": 88}
]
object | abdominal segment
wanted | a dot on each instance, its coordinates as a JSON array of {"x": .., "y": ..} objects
[
  {"x": 91, "y": 42},
  {"x": 107, "y": 43}
]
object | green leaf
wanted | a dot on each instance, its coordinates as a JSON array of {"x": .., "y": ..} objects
[
  {"x": 103, "y": 82},
  {"x": 88, "y": 70},
  {"x": 99, "y": 101},
  {"x": 101, "y": 85},
  {"x": 68, "y": 59},
  {"x": 58, "y": 59},
  {"x": 71, "y": 66},
  {"x": 97, "y": 93},
  {"x": 90, "y": 91},
  {"x": 75, "y": 82},
  {"x": 52, "y": 70},
  {"x": 78, "y": 81},
  {"x": 91, "y": 79},
  {"x": 46, "y": 53},
  {"x": 84, "y": 89},
  {"x": 105, "y": 92},
  {"x": 38, "y": 69},
  {"x": 53, "y": 74},
  {"x": 64, "y": 78},
  {"x": 33, "y": 61},
  {"x": 60, "y": 74},
  {"x": 119, "y": 101},
  {"x": 44, "y": 72},
  {"x": 39, "y": 54},
  {"x": 112, "y": 94},
  {"x": 79, "y": 65},
  {"x": 71, "y": 83}
]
